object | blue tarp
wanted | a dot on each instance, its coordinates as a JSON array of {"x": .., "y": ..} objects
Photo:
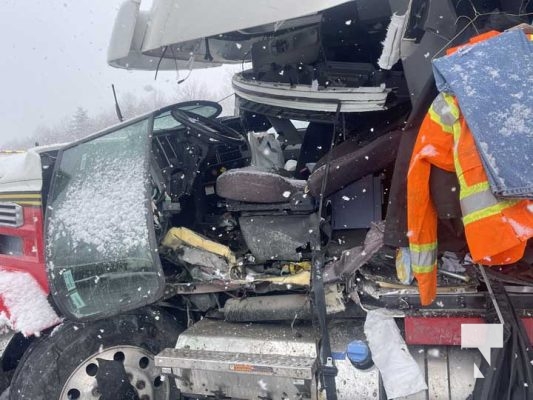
[{"x": 493, "y": 83}]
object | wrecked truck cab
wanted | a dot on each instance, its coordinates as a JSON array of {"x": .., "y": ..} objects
[
  {"x": 174, "y": 203},
  {"x": 240, "y": 240},
  {"x": 111, "y": 198}
]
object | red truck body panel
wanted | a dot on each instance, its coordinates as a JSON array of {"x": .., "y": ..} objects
[{"x": 32, "y": 258}]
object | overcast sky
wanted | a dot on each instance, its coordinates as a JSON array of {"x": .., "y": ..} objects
[{"x": 54, "y": 60}]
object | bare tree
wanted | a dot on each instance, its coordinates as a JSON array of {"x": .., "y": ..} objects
[{"x": 80, "y": 124}]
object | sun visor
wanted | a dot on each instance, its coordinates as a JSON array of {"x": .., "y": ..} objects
[
  {"x": 178, "y": 21},
  {"x": 125, "y": 47}
]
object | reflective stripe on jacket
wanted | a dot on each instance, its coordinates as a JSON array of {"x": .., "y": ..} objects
[{"x": 496, "y": 230}]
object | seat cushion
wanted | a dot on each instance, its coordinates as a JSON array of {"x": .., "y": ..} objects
[{"x": 254, "y": 186}]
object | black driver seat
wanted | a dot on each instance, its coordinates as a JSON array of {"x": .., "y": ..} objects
[
  {"x": 281, "y": 212},
  {"x": 349, "y": 162}
]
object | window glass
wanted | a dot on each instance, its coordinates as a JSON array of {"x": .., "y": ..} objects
[{"x": 98, "y": 236}]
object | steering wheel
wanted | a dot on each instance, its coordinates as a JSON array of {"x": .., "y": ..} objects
[{"x": 209, "y": 129}]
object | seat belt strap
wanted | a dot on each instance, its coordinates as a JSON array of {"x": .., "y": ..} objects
[{"x": 326, "y": 369}]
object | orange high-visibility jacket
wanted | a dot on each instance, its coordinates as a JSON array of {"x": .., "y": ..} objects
[{"x": 496, "y": 230}]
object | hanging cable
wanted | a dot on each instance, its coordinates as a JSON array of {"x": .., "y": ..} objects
[
  {"x": 159, "y": 61},
  {"x": 224, "y": 98},
  {"x": 472, "y": 21}
]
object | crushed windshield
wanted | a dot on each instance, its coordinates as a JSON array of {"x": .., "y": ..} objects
[{"x": 99, "y": 254}]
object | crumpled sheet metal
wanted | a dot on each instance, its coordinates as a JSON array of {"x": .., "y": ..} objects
[{"x": 353, "y": 259}]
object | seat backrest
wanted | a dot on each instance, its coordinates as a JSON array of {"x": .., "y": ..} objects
[{"x": 351, "y": 161}]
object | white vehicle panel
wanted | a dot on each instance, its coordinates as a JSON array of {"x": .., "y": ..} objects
[{"x": 176, "y": 21}]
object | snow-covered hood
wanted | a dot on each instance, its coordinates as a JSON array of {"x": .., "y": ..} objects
[
  {"x": 20, "y": 172},
  {"x": 139, "y": 38}
]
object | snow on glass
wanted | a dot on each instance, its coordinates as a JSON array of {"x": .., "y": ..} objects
[{"x": 102, "y": 209}]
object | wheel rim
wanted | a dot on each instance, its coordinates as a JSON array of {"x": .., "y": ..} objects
[{"x": 140, "y": 368}]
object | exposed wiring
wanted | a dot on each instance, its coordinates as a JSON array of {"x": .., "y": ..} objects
[
  {"x": 244, "y": 59},
  {"x": 525, "y": 6},
  {"x": 187, "y": 77},
  {"x": 159, "y": 61},
  {"x": 491, "y": 293},
  {"x": 224, "y": 98},
  {"x": 190, "y": 63},
  {"x": 190, "y": 321},
  {"x": 175, "y": 61},
  {"x": 471, "y": 22},
  {"x": 326, "y": 173}
]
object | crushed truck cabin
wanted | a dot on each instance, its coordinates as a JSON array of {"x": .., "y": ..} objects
[{"x": 357, "y": 230}]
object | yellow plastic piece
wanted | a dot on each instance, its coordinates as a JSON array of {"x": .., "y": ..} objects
[
  {"x": 302, "y": 278},
  {"x": 176, "y": 237},
  {"x": 296, "y": 267}
]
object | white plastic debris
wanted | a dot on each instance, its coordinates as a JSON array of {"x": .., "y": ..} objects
[
  {"x": 266, "y": 151},
  {"x": 399, "y": 371},
  {"x": 392, "y": 42},
  {"x": 290, "y": 165},
  {"x": 451, "y": 262},
  {"x": 435, "y": 353}
]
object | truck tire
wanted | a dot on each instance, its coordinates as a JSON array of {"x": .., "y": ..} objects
[
  {"x": 14, "y": 351},
  {"x": 64, "y": 364}
]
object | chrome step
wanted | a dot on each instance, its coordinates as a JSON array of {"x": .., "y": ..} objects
[
  {"x": 240, "y": 363},
  {"x": 243, "y": 361}
]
